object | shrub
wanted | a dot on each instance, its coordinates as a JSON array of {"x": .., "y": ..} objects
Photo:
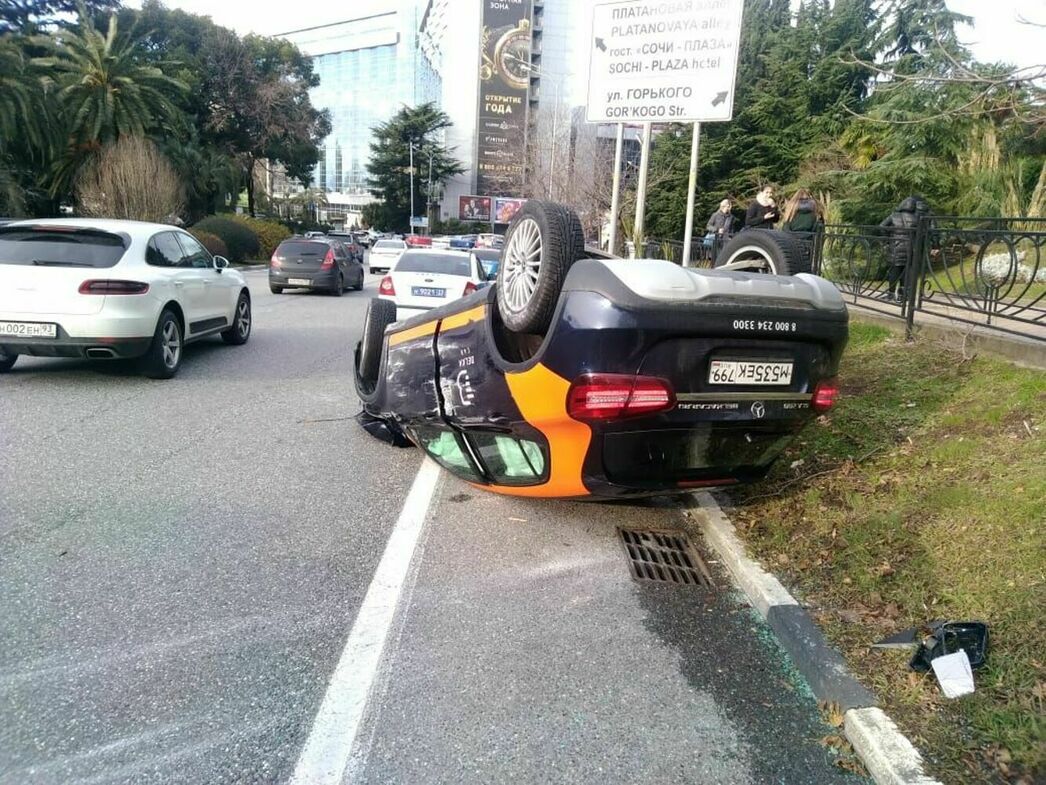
[
  {"x": 211, "y": 242},
  {"x": 270, "y": 233},
  {"x": 239, "y": 239},
  {"x": 131, "y": 179}
]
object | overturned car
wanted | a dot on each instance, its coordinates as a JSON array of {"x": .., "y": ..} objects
[{"x": 579, "y": 375}]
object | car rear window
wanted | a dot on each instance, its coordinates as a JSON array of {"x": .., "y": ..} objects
[
  {"x": 61, "y": 247},
  {"x": 445, "y": 264},
  {"x": 390, "y": 244},
  {"x": 302, "y": 248}
]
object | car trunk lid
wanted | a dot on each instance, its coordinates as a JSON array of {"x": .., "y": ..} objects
[
  {"x": 301, "y": 256},
  {"x": 43, "y": 266},
  {"x": 427, "y": 290}
]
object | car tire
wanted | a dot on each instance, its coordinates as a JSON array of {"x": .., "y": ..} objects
[
  {"x": 339, "y": 286},
  {"x": 770, "y": 251},
  {"x": 168, "y": 340},
  {"x": 240, "y": 331},
  {"x": 380, "y": 314},
  {"x": 275, "y": 289},
  {"x": 359, "y": 287},
  {"x": 544, "y": 237},
  {"x": 7, "y": 360}
]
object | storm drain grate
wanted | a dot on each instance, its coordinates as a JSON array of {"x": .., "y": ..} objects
[{"x": 664, "y": 557}]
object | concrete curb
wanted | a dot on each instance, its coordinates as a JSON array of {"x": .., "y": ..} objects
[{"x": 887, "y": 754}]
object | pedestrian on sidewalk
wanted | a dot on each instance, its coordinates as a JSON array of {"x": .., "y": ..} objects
[
  {"x": 901, "y": 225},
  {"x": 802, "y": 214},
  {"x": 719, "y": 227},
  {"x": 803, "y": 217},
  {"x": 762, "y": 212}
]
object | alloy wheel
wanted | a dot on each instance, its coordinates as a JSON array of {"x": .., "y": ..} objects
[
  {"x": 243, "y": 319},
  {"x": 522, "y": 264},
  {"x": 171, "y": 342}
]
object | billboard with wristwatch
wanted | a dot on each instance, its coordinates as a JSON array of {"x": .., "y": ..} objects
[{"x": 504, "y": 84}]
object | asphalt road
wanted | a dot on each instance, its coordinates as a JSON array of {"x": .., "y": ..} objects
[{"x": 181, "y": 563}]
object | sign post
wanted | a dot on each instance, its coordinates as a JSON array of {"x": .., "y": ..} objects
[
  {"x": 654, "y": 61},
  {"x": 688, "y": 232},
  {"x": 638, "y": 237},
  {"x": 615, "y": 194}
]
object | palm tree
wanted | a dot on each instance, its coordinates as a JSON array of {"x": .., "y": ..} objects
[
  {"x": 103, "y": 91},
  {"x": 19, "y": 94},
  {"x": 103, "y": 88},
  {"x": 23, "y": 125}
]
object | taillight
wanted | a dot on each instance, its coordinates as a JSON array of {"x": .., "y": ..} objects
[
  {"x": 386, "y": 286},
  {"x": 109, "y": 286},
  {"x": 275, "y": 260},
  {"x": 328, "y": 260},
  {"x": 826, "y": 392},
  {"x": 469, "y": 288},
  {"x": 611, "y": 396}
]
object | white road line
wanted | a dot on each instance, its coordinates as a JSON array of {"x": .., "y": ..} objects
[{"x": 333, "y": 736}]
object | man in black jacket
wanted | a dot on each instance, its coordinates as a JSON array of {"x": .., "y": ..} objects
[{"x": 901, "y": 225}]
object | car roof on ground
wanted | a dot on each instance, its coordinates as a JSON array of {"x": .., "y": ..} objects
[{"x": 132, "y": 228}]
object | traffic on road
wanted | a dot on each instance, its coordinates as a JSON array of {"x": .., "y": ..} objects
[{"x": 224, "y": 578}]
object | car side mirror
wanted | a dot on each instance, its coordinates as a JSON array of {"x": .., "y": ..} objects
[{"x": 220, "y": 263}]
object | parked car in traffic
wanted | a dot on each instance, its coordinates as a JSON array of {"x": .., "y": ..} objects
[
  {"x": 579, "y": 375},
  {"x": 425, "y": 279},
  {"x": 322, "y": 263},
  {"x": 107, "y": 290},
  {"x": 463, "y": 241},
  {"x": 348, "y": 239},
  {"x": 489, "y": 240},
  {"x": 384, "y": 254}
]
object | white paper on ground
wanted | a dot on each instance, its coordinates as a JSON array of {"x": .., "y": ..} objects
[{"x": 954, "y": 674}]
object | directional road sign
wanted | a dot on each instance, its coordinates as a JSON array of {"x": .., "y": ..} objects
[{"x": 663, "y": 60}]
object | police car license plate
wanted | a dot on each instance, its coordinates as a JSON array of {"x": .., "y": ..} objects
[
  {"x": 742, "y": 372},
  {"x": 28, "y": 330},
  {"x": 427, "y": 291}
]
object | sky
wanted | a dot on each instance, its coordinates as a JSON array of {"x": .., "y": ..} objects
[{"x": 996, "y": 34}]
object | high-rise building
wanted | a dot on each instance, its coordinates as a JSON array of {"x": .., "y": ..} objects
[
  {"x": 448, "y": 37},
  {"x": 510, "y": 74},
  {"x": 369, "y": 66}
]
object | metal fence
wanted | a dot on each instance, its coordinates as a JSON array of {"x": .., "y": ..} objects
[
  {"x": 971, "y": 270},
  {"x": 701, "y": 255},
  {"x": 977, "y": 271}
]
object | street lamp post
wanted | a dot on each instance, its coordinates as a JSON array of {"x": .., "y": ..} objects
[{"x": 410, "y": 144}]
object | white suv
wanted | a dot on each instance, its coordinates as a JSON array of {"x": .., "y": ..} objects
[{"x": 105, "y": 289}]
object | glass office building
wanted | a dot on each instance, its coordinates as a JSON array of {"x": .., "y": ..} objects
[{"x": 369, "y": 67}]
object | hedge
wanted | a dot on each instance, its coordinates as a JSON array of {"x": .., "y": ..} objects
[
  {"x": 270, "y": 233},
  {"x": 240, "y": 240},
  {"x": 211, "y": 242}
]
